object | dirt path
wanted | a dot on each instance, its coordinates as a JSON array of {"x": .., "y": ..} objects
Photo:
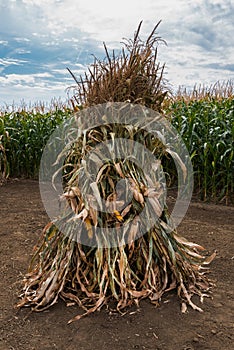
[{"x": 22, "y": 218}]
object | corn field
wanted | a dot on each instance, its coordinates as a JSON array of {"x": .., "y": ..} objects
[
  {"x": 23, "y": 135},
  {"x": 203, "y": 117},
  {"x": 207, "y": 128}
]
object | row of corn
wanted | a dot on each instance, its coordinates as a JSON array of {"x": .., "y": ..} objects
[
  {"x": 206, "y": 126},
  {"x": 23, "y": 135}
]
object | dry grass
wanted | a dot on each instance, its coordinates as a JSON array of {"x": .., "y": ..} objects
[{"x": 217, "y": 91}]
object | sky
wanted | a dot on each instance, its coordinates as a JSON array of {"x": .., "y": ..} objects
[{"x": 39, "y": 39}]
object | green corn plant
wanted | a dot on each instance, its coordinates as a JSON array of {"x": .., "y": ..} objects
[
  {"x": 29, "y": 132},
  {"x": 4, "y": 164},
  {"x": 206, "y": 126}
]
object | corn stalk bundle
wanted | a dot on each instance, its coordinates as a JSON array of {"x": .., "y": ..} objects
[{"x": 136, "y": 264}]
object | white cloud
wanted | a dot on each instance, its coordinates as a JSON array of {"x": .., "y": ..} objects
[
  {"x": 21, "y": 51},
  {"x": 16, "y": 78},
  {"x": 11, "y": 62},
  {"x": 39, "y": 35},
  {"x": 199, "y": 35},
  {"x": 3, "y": 42},
  {"x": 23, "y": 78},
  {"x": 19, "y": 93},
  {"x": 43, "y": 75},
  {"x": 64, "y": 71},
  {"x": 22, "y": 40}
]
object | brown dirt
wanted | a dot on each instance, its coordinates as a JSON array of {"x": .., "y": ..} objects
[{"x": 164, "y": 327}]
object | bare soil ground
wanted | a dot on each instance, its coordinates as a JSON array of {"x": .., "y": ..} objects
[{"x": 22, "y": 218}]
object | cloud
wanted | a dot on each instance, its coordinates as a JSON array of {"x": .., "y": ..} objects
[
  {"x": 23, "y": 78},
  {"x": 76, "y": 72},
  {"x": 222, "y": 67},
  {"x": 16, "y": 78},
  {"x": 11, "y": 62},
  {"x": 19, "y": 93},
  {"x": 22, "y": 40},
  {"x": 21, "y": 51},
  {"x": 3, "y": 42},
  {"x": 46, "y": 36}
]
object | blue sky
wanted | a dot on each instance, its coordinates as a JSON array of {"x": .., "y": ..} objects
[{"x": 40, "y": 38}]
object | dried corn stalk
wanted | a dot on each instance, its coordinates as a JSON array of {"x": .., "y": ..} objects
[
  {"x": 149, "y": 264},
  {"x": 134, "y": 75}
]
